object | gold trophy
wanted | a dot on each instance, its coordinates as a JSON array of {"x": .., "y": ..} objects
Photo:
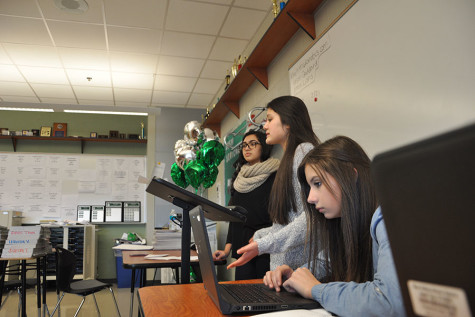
[
  {"x": 234, "y": 69},
  {"x": 275, "y": 8}
]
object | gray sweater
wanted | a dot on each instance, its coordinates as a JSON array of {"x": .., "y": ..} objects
[{"x": 286, "y": 243}]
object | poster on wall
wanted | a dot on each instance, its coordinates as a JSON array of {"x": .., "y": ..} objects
[
  {"x": 232, "y": 140},
  {"x": 51, "y": 186}
]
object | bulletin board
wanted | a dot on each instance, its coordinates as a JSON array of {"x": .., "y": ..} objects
[{"x": 51, "y": 186}]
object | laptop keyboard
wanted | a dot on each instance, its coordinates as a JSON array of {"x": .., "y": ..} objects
[{"x": 251, "y": 293}]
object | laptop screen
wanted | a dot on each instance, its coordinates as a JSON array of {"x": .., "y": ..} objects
[
  {"x": 427, "y": 195},
  {"x": 210, "y": 281}
]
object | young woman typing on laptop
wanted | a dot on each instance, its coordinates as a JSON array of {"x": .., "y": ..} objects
[
  {"x": 351, "y": 269},
  {"x": 251, "y": 185},
  {"x": 288, "y": 124}
]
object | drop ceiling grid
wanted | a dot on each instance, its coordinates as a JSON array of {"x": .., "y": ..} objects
[{"x": 148, "y": 53}]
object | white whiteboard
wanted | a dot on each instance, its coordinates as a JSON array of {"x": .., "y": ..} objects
[
  {"x": 391, "y": 72},
  {"x": 50, "y": 186}
]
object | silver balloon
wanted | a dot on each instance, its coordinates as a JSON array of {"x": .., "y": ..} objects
[
  {"x": 254, "y": 118},
  {"x": 179, "y": 144},
  {"x": 210, "y": 135},
  {"x": 184, "y": 153},
  {"x": 192, "y": 131}
]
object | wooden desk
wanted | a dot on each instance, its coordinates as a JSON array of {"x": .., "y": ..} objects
[
  {"x": 179, "y": 300},
  {"x": 40, "y": 263},
  {"x": 129, "y": 261}
]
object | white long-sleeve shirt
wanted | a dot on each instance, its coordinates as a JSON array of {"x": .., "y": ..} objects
[{"x": 286, "y": 243}]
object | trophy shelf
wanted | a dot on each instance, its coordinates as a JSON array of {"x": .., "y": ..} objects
[
  {"x": 15, "y": 139},
  {"x": 297, "y": 14}
]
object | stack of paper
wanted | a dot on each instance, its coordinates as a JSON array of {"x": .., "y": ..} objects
[
  {"x": 167, "y": 240},
  {"x": 26, "y": 242}
]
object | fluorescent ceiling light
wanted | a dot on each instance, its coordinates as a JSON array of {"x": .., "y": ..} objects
[
  {"x": 108, "y": 112},
  {"x": 27, "y": 109}
]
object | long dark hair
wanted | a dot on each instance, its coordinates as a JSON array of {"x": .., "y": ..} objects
[
  {"x": 344, "y": 243},
  {"x": 240, "y": 161},
  {"x": 294, "y": 113}
]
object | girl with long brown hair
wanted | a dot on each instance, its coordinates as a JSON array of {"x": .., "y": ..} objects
[
  {"x": 350, "y": 269},
  {"x": 288, "y": 124}
]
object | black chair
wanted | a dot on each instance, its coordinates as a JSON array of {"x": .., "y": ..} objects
[
  {"x": 65, "y": 270},
  {"x": 12, "y": 285}
]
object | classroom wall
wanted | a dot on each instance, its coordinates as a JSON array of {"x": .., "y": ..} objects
[
  {"x": 454, "y": 46},
  {"x": 163, "y": 130},
  {"x": 79, "y": 124},
  {"x": 170, "y": 125}
]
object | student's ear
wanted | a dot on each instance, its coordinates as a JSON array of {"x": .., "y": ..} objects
[
  {"x": 356, "y": 172},
  {"x": 286, "y": 127}
]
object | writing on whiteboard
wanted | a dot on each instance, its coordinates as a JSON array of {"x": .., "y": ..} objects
[{"x": 303, "y": 73}]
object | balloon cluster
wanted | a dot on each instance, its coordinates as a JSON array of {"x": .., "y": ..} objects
[{"x": 197, "y": 157}]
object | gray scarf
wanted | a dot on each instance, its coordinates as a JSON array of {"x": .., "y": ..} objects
[{"x": 251, "y": 177}]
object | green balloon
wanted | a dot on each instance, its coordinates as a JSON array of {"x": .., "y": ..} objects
[
  {"x": 178, "y": 176},
  {"x": 194, "y": 173},
  {"x": 210, "y": 176},
  {"x": 211, "y": 153}
]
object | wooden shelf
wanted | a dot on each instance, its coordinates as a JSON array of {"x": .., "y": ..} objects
[
  {"x": 15, "y": 139},
  {"x": 295, "y": 15}
]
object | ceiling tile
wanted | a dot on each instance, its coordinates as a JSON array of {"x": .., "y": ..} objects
[
  {"x": 128, "y": 39},
  {"x": 129, "y": 49},
  {"x": 60, "y": 101},
  {"x": 207, "y": 86},
  {"x": 169, "y": 97},
  {"x": 179, "y": 66},
  {"x": 20, "y": 99},
  {"x": 53, "y": 91},
  {"x": 133, "y": 62},
  {"x": 15, "y": 89},
  {"x": 44, "y": 75},
  {"x": 186, "y": 45},
  {"x": 84, "y": 58},
  {"x": 253, "y": 4},
  {"x": 173, "y": 83},
  {"x": 75, "y": 34},
  {"x": 242, "y": 23},
  {"x": 227, "y": 2},
  {"x": 200, "y": 100},
  {"x": 216, "y": 69},
  {"x": 23, "y": 30},
  {"x": 132, "y": 104},
  {"x": 108, "y": 102},
  {"x": 132, "y": 80},
  {"x": 26, "y": 8},
  {"x": 80, "y": 77},
  {"x": 93, "y": 93},
  {"x": 132, "y": 95},
  {"x": 46, "y": 56},
  {"x": 4, "y": 59},
  {"x": 10, "y": 73},
  {"x": 227, "y": 49},
  {"x": 143, "y": 13},
  {"x": 197, "y": 17},
  {"x": 92, "y": 15}
]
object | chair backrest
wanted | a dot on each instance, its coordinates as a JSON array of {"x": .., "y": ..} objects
[{"x": 65, "y": 268}]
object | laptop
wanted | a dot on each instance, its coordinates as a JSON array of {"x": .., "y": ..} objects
[
  {"x": 187, "y": 200},
  {"x": 238, "y": 298},
  {"x": 427, "y": 195}
]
